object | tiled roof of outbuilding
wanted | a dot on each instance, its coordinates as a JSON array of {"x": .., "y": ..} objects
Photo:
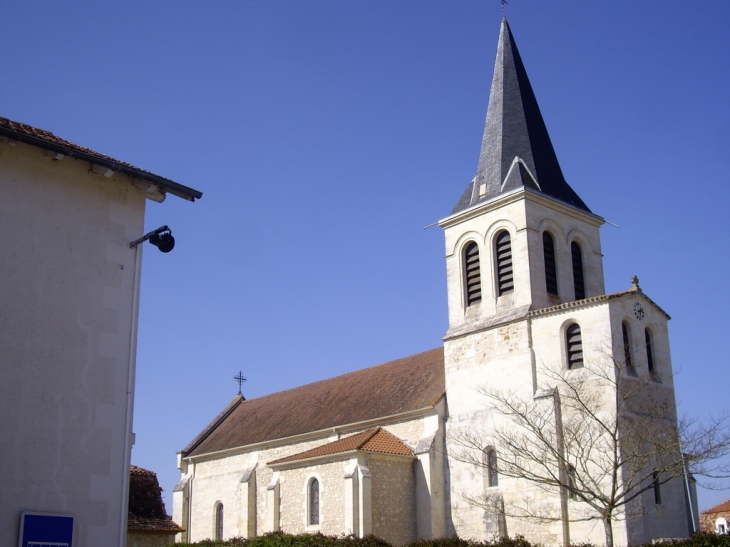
[
  {"x": 724, "y": 507},
  {"x": 375, "y": 439},
  {"x": 48, "y": 141},
  {"x": 146, "y": 508},
  {"x": 396, "y": 387}
]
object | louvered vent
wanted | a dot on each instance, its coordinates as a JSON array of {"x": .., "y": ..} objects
[
  {"x": 551, "y": 275},
  {"x": 578, "y": 282},
  {"x": 627, "y": 347},
  {"x": 472, "y": 274},
  {"x": 575, "y": 346},
  {"x": 649, "y": 353},
  {"x": 505, "y": 280}
]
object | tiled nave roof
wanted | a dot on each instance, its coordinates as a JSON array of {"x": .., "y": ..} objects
[{"x": 396, "y": 387}]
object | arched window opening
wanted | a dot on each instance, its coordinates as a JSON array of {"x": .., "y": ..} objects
[
  {"x": 505, "y": 279},
  {"x": 574, "y": 344},
  {"x": 551, "y": 273},
  {"x": 627, "y": 348},
  {"x": 570, "y": 477},
  {"x": 721, "y": 526},
  {"x": 578, "y": 281},
  {"x": 655, "y": 486},
  {"x": 313, "y": 502},
  {"x": 649, "y": 352},
  {"x": 491, "y": 473},
  {"x": 219, "y": 522},
  {"x": 472, "y": 274}
]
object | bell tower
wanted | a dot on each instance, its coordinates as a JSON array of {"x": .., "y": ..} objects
[
  {"x": 519, "y": 238},
  {"x": 526, "y": 298}
]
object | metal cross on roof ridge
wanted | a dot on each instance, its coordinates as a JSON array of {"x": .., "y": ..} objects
[{"x": 240, "y": 378}]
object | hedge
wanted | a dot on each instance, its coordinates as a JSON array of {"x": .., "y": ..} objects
[{"x": 279, "y": 539}]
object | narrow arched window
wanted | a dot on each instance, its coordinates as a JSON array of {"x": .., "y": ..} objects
[
  {"x": 472, "y": 274},
  {"x": 489, "y": 464},
  {"x": 503, "y": 248},
  {"x": 572, "y": 485},
  {"x": 574, "y": 344},
  {"x": 551, "y": 274},
  {"x": 627, "y": 347},
  {"x": 655, "y": 485},
  {"x": 578, "y": 281},
  {"x": 313, "y": 502},
  {"x": 219, "y": 522},
  {"x": 649, "y": 352}
]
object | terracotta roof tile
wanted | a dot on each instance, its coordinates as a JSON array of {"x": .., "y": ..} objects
[
  {"x": 389, "y": 389},
  {"x": 47, "y": 140},
  {"x": 146, "y": 512},
  {"x": 375, "y": 439},
  {"x": 724, "y": 507}
]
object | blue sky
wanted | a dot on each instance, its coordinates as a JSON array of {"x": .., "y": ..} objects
[{"x": 326, "y": 134}]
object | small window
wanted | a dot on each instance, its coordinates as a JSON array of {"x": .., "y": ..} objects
[
  {"x": 627, "y": 348},
  {"x": 649, "y": 352},
  {"x": 313, "y": 502},
  {"x": 570, "y": 477},
  {"x": 472, "y": 274},
  {"x": 503, "y": 248},
  {"x": 551, "y": 274},
  {"x": 578, "y": 281},
  {"x": 490, "y": 468},
  {"x": 655, "y": 486},
  {"x": 219, "y": 522},
  {"x": 574, "y": 344},
  {"x": 721, "y": 526}
]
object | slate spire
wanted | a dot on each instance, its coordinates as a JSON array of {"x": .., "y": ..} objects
[{"x": 516, "y": 148}]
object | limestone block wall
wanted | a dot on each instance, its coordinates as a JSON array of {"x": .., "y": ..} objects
[
  {"x": 67, "y": 341},
  {"x": 139, "y": 539},
  {"x": 393, "y": 498},
  {"x": 217, "y": 479},
  {"x": 293, "y": 489}
]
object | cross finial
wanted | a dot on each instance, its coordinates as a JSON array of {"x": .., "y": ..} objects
[
  {"x": 503, "y": 4},
  {"x": 240, "y": 378}
]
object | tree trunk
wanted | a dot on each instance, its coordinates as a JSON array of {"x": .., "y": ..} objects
[{"x": 609, "y": 531}]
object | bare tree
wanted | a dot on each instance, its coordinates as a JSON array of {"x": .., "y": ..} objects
[{"x": 602, "y": 435}]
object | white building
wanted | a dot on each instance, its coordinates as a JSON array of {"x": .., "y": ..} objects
[
  {"x": 374, "y": 451},
  {"x": 68, "y": 326}
]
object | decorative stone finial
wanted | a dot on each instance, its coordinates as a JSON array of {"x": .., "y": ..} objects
[{"x": 635, "y": 283}]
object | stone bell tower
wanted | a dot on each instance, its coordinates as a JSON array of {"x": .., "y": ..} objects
[{"x": 524, "y": 275}]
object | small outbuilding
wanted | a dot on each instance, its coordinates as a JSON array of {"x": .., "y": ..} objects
[
  {"x": 716, "y": 519},
  {"x": 148, "y": 524}
]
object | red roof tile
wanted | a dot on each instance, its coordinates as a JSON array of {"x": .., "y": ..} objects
[
  {"x": 400, "y": 386},
  {"x": 724, "y": 507},
  {"x": 376, "y": 439},
  {"x": 47, "y": 140}
]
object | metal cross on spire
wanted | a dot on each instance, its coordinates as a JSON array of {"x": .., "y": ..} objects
[
  {"x": 240, "y": 378},
  {"x": 504, "y": 2}
]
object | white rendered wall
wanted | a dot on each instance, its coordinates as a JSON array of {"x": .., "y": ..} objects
[{"x": 67, "y": 341}]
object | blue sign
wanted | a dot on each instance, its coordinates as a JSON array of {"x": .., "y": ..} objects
[{"x": 46, "y": 530}]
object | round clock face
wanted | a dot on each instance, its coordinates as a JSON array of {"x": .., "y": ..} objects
[{"x": 639, "y": 311}]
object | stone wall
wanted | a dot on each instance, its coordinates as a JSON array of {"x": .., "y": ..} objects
[
  {"x": 141, "y": 539},
  {"x": 393, "y": 498}
]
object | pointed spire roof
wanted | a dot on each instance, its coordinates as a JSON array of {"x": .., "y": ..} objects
[{"x": 516, "y": 148}]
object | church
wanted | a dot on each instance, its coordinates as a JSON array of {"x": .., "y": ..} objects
[{"x": 376, "y": 451}]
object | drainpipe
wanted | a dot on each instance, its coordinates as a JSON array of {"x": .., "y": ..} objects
[{"x": 128, "y": 442}]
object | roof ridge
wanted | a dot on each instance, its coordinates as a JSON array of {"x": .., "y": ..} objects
[{"x": 342, "y": 375}]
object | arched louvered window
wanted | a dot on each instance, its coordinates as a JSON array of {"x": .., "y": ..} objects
[
  {"x": 572, "y": 484},
  {"x": 313, "y": 502},
  {"x": 649, "y": 352},
  {"x": 492, "y": 474},
  {"x": 574, "y": 344},
  {"x": 578, "y": 281},
  {"x": 472, "y": 274},
  {"x": 219, "y": 522},
  {"x": 551, "y": 274},
  {"x": 627, "y": 347},
  {"x": 503, "y": 248}
]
